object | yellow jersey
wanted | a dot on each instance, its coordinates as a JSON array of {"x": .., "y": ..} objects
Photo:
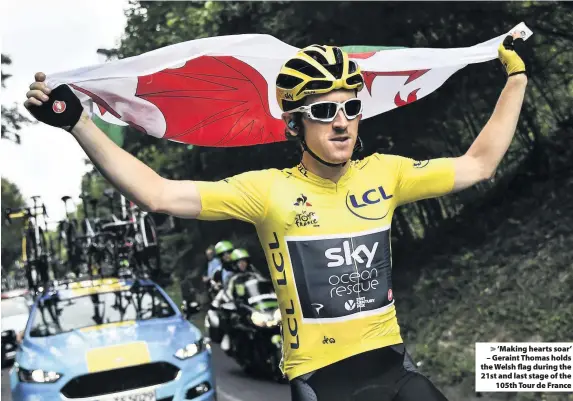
[{"x": 328, "y": 248}]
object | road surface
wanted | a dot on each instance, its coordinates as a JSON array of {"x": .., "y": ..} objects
[{"x": 234, "y": 385}]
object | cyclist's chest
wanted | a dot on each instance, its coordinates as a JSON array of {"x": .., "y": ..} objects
[{"x": 298, "y": 208}]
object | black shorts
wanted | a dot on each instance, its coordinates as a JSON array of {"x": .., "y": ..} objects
[{"x": 385, "y": 374}]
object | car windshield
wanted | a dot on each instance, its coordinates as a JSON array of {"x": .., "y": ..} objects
[
  {"x": 14, "y": 307},
  {"x": 54, "y": 316}
]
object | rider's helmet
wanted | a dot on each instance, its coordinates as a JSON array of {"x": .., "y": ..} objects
[
  {"x": 223, "y": 246},
  {"x": 239, "y": 254},
  {"x": 315, "y": 70}
]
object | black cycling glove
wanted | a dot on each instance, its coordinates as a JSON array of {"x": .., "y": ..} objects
[{"x": 62, "y": 110}]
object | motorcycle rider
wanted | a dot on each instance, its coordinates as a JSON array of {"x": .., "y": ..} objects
[
  {"x": 222, "y": 274},
  {"x": 212, "y": 263},
  {"x": 239, "y": 263},
  {"x": 220, "y": 277}
]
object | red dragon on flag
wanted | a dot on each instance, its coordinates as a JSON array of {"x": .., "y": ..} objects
[{"x": 220, "y": 101}]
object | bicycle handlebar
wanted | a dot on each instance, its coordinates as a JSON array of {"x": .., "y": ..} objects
[
  {"x": 10, "y": 214},
  {"x": 65, "y": 199},
  {"x": 20, "y": 212}
]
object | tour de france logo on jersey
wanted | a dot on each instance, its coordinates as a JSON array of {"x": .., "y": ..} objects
[
  {"x": 340, "y": 278},
  {"x": 305, "y": 216},
  {"x": 370, "y": 203}
]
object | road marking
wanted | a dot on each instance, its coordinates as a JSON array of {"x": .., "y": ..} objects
[{"x": 228, "y": 396}]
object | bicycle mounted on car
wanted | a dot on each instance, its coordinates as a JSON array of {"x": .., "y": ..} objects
[
  {"x": 111, "y": 245},
  {"x": 37, "y": 249}
]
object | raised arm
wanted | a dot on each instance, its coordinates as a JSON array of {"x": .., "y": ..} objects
[
  {"x": 484, "y": 155},
  {"x": 135, "y": 180}
]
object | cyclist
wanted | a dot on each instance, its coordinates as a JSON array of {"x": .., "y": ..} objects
[{"x": 324, "y": 224}]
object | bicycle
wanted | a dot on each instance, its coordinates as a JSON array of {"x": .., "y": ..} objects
[
  {"x": 97, "y": 246},
  {"x": 37, "y": 247},
  {"x": 69, "y": 253},
  {"x": 137, "y": 241},
  {"x": 146, "y": 238},
  {"x": 110, "y": 245}
]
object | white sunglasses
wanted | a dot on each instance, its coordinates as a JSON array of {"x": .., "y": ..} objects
[{"x": 327, "y": 111}]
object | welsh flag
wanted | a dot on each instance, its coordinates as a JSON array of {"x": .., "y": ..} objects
[{"x": 220, "y": 91}]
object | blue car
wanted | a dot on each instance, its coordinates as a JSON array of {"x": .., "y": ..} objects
[{"x": 111, "y": 340}]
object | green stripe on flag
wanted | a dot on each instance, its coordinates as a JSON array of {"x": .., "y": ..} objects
[{"x": 114, "y": 132}]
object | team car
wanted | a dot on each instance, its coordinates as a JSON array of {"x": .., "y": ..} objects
[{"x": 111, "y": 339}]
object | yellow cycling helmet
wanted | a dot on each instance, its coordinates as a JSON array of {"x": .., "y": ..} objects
[{"x": 314, "y": 70}]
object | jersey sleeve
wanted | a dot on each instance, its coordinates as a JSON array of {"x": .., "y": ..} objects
[
  {"x": 425, "y": 179},
  {"x": 242, "y": 197}
]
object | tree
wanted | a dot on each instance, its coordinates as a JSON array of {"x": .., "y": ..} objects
[
  {"x": 11, "y": 234},
  {"x": 12, "y": 119}
]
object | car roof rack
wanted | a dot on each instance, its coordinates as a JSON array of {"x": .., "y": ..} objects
[{"x": 92, "y": 281}]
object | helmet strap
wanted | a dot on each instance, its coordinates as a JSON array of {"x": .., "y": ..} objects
[
  {"x": 315, "y": 156},
  {"x": 358, "y": 146}
]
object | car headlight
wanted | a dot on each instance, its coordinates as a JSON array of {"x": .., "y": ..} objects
[
  {"x": 266, "y": 319},
  {"x": 193, "y": 349},
  {"x": 36, "y": 375}
]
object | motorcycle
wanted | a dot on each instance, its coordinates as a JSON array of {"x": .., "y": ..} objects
[
  {"x": 213, "y": 288},
  {"x": 215, "y": 322},
  {"x": 254, "y": 326}
]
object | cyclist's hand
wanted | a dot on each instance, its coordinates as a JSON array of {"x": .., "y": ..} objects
[
  {"x": 508, "y": 56},
  {"x": 59, "y": 107}
]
